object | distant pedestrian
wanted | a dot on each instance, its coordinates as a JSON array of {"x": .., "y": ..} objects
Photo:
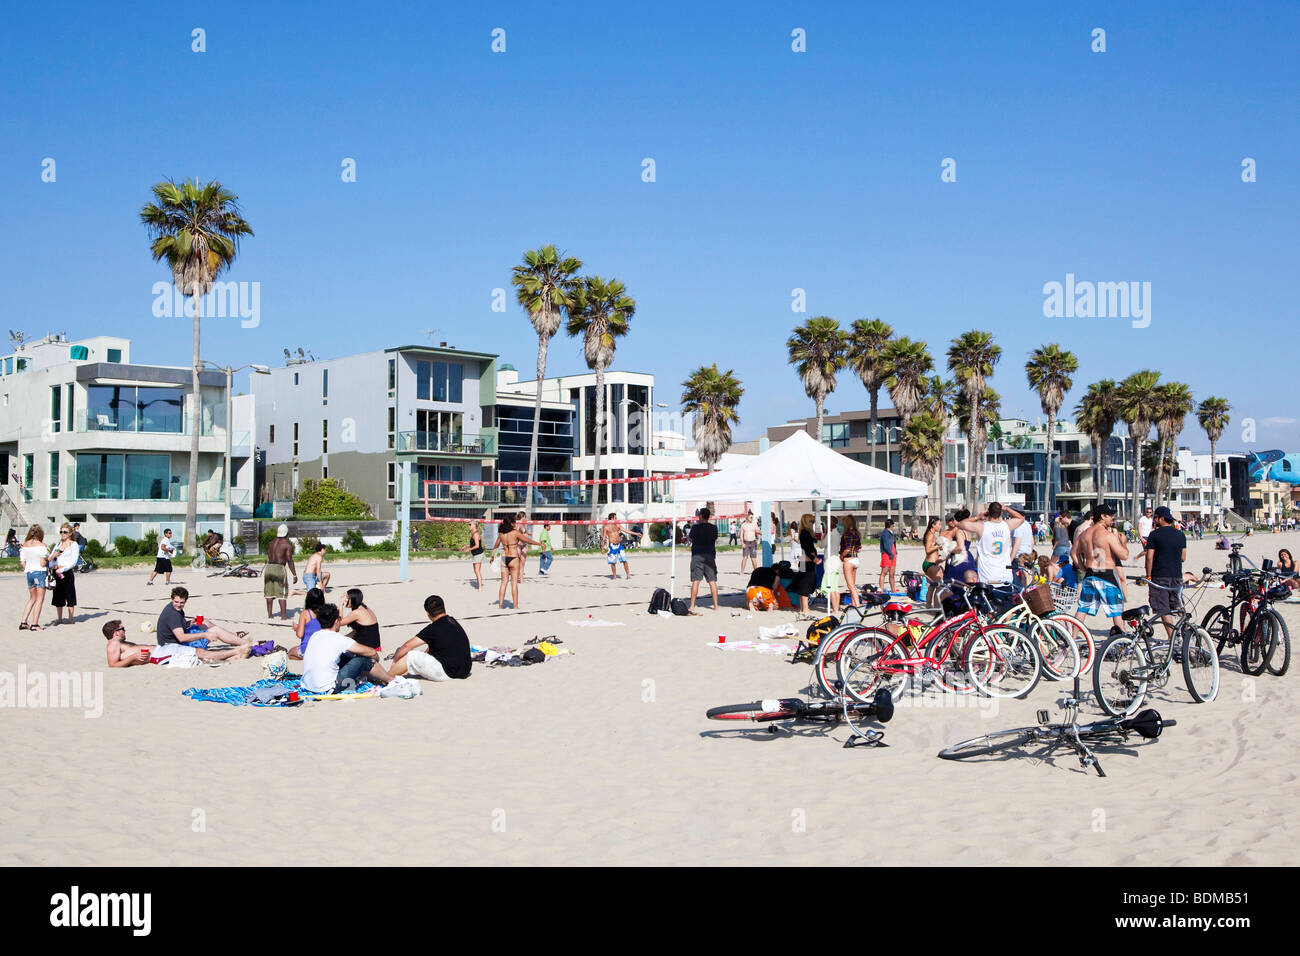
[
  {"x": 888, "y": 555},
  {"x": 163, "y": 560}
]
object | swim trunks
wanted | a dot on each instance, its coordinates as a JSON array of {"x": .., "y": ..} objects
[
  {"x": 615, "y": 554},
  {"x": 274, "y": 582}
]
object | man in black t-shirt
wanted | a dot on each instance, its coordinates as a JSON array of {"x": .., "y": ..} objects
[
  {"x": 704, "y": 557},
  {"x": 439, "y": 652},
  {"x": 1166, "y": 549}
]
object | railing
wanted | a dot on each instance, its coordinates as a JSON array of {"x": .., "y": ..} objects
[
  {"x": 99, "y": 422},
  {"x": 1076, "y": 459},
  {"x": 446, "y": 444},
  {"x": 452, "y": 492}
]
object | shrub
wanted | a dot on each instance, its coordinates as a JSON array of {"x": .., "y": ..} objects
[
  {"x": 150, "y": 544},
  {"x": 125, "y": 546},
  {"x": 388, "y": 545},
  {"x": 265, "y": 537},
  {"x": 353, "y": 541},
  {"x": 307, "y": 543},
  {"x": 327, "y": 498},
  {"x": 441, "y": 535},
  {"x": 93, "y": 549}
]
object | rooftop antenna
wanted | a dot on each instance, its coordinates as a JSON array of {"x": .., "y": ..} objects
[
  {"x": 430, "y": 333},
  {"x": 286, "y": 355}
]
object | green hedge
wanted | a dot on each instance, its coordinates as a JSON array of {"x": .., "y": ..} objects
[
  {"x": 440, "y": 535},
  {"x": 325, "y": 497}
]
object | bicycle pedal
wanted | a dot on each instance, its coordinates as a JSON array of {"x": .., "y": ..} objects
[{"x": 1044, "y": 717}]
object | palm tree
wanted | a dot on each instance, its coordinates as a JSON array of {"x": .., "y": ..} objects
[
  {"x": 866, "y": 355},
  {"x": 817, "y": 350},
  {"x": 973, "y": 420},
  {"x": 1050, "y": 369},
  {"x": 1097, "y": 414},
  {"x": 196, "y": 228},
  {"x": 712, "y": 396},
  {"x": 922, "y": 447},
  {"x": 909, "y": 364},
  {"x": 971, "y": 358},
  {"x": 1154, "y": 452},
  {"x": 544, "y": 285},
  {"x": 1212, "y": 413},
  {"x": 1174, "y": 403},
  {"x": 599, "y": 311},
  {"x": 1137, "y": 408},
  {"x": 940, "y": 394}
]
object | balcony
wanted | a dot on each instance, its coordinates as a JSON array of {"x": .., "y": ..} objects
[
  {"x": 455, "y": 493},
  {"x": 441, "y": 443},
  {"x": 1076, "y": 459}
]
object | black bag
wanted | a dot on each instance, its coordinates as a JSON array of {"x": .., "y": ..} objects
[
  {"x": 660, "y": 601},
  {"x": 680, "y": 607}
]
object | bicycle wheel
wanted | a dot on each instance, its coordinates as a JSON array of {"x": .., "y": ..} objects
[
  {"x": 1280, "y": 660},
  {"x": 952, "y": 675},
  {"x": 198, "y": 562},
  {"x": 1003, "y": 662},
  {"x": 756, "y": 710},
  {"x": 826, "y": 660},
  {"x": 1081, "y": 636},
  {"x": 1056, "y": 648},
  {"x": 1257, "y": 643},
  {"x": 992, "y": 743},
  {"x": 1200, "y": 663},
  {"x": 1119, "y": 678},
  {"x": 1218, "y": 624},
  {"x": 861, "y": 667}
]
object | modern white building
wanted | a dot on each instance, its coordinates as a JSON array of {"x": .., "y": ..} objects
[
  {"x": 85, "y": 435},
  {"x": 1194, "y": 491}
]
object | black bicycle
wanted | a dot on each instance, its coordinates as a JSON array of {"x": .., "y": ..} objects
[
  {"x": 842, "y": 707},
  {"x": 1264, "y": 639},
  {"x": 1148, "y": 724}
]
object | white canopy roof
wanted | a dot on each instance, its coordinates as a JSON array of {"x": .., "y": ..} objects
[{"x": 798, "y": 469}]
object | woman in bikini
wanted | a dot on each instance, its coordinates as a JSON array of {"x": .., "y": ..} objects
[
  {"x": 931, "y": 566},
  {"x": 850, "y": 545},
  {"x": 362, "y": 620},
  {"x": 475, "y": 551},
  {"x": 511, "y": 541},
  {"x": 305, "y": 623}
]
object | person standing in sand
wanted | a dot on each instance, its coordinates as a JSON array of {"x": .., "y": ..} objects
[
  {"x": 749, "y": 542},
  {"x": 34, "y": 561},
  {"x": 279, "y": 559},
  {"x": 475, "y": 551},
  {"x": 704, "y": 558},
  {"x": 1100, "y": 551},
  {"x": 510, "y": 539},
  {"x": 163, "y": 561},
  {"x": 548, "y": 550},
  {"x": 612, "y": 538}
]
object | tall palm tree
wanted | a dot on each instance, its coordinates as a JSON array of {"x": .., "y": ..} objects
[
  {"x": 816, "y": 349},
  {"x": 974, "y": 419},
  {"x": 1138, "y": 408},
  {"x": 544, "y": 284},
  {"x": 909, "y": 364},
  {"x": 922, "y": 447},
  {"x": 1050, "y": 370},
  {"x": 971, "y": 358},
  {"x": 1157, "y": 463},
  {"x": 1174, "y": 403},
  {"x": 712, "y": 396},
  {"x": 866, "y": 355},
  {"x": 196, "y": 228},
  {"x": 940, "y": 394},
  {"x": 1097, "y": 413},
  {"x": 1212, "y": 413},
  {"x": 599, "y": 311}
]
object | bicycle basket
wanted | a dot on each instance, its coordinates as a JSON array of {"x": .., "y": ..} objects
[
  {"x": 1040, "y": 599},
  {"x": 1065, "y": 598}
]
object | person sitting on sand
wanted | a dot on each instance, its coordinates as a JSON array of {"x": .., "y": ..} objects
[
  {"x": 175, "y": 628},
  {"x": 440, "y": 651},
  {"x": 124, "y": 653},
  {"x": 336, "y": 664},
  {"x": 305, "y": 623},
  {"x": 314, "y": 574}
]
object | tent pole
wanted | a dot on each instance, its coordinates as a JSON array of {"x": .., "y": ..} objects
[{"x": 672, "y": 575}]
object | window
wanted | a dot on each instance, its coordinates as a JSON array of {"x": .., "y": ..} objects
[
  {"x": 455, "y": 382},
  {"x": 126, "y": 408},
  {"x": 115, "y": 356},
  {"x": 56, "y": 408},
  {"x": 392, "y": 480},
  {"x": 9, "y": 365},
  {"x": 22, "y": 365},
  {"x": 295, "y": 378},
  {"x": 423, "y": 374},
  {"x": 145, "y": 477},
  {"x": 392, "y": 377},
  {"x": 836, "y": 434},
  {"x": 439, "y": 381},
  {"x": 29, "y": 469},
  {"x": 295, "y": 447},
  {"x": 71, "y": 400},
  {"x": 324, "y": 471},
  {"x": 325, "y": 387},
  {"x": 392, "y": 427},
  {"x": 324, "y": 436},
  {"x": 272, "y": 435},
  {"x": 54, "y": 476}
]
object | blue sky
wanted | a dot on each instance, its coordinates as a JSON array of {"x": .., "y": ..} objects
[{"x": 775, "y": 170}]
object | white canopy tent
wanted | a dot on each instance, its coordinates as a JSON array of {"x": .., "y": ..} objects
[{"x": 797, "y": 469}]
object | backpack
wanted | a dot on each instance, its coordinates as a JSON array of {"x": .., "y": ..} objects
[
  {"x": 660, "y": 601},
  {"x": 807, "y": 648},
  {"x": 679, "y": 607}
]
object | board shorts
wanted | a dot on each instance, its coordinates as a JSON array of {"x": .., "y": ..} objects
[
  {"x": 423, "y": 664},
  {"x": 750, "y": 549},
  {"x": 761, "y": 599},
  {"x": 1099, "y": 595},
  {"x": 275, "y": 583},
  {"x": 704, "y": 568},
  {"x": 310, "y": 581},
  {"x": 615, "y": 554},
  {"x": 1162, "y": 601},
  {"x": 162, "y": 566},
  {"x": 888, "y": 560}
]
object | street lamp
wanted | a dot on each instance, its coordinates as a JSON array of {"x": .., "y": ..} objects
[
  {"x": 645, "y": 448},
  {"x": 230, "y": 374}
]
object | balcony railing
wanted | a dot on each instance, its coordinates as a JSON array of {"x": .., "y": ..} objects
[
  {"x": 101, "y": 422},
  {"x": 462, "y": 494},
  {"x": 1076, "y": 458},
  {"x": 443, "y": 443}
]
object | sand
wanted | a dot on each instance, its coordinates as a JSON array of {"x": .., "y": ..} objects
[{"x": 601, "y": 757}]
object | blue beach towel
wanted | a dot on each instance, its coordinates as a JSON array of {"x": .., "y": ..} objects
[{"x": 247, "y": 696}]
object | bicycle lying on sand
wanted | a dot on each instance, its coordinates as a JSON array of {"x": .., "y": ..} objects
[
  {"x": 880, "y": 709},
  {"x": 1148, "y": 725}
]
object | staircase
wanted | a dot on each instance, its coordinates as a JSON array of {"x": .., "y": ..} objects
[
  {"x": 1234, "y": 521},
  {"x": 13, "y": 515}
]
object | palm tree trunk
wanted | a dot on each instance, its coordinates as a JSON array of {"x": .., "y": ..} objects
[
  {"x": 1214, "y": 486},
  {"x": 871, "y": 505},
  {"x": 196, "y": 413},
  {"x": 542, "y": 342},
  {"x": 1051, "y": 453},
  {"x": 821, "y": 401},
  {"x": 1098, "y": 449},
  {"x": 1137, "y": 482},
  {"x": 1162, "y": 486}
]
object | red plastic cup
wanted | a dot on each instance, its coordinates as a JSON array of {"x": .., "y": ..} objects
[
  {"x": 722, "y": 638},
  {"x": 293, "y": 697},
  {"x": 199, "y": 620}
]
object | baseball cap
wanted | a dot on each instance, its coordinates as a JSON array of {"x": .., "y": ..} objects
[
  {"x": 282, "y": 531},
  {"x": 1165, "y": 514}
]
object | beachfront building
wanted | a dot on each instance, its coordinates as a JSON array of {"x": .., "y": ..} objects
[
  {"x": 1193, "y": 491},
  {"x": 349, "y": 418},
  {"x": 1020, "y": 446},
  {"x": 88, "y": 436},
  {"x": 1271, "y": 502}
]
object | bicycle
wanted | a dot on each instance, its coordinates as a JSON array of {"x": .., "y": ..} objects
[
  {"x": 222, "y": 555},
  {"x": 961, "y": 654},
  {"x": 880, "y": 708},
  {"x": 886, "y": 606},
  {"x": 85, "y": 565},
  {"x": 1265, "y": 634},
  {"x": 1064, "y": 643},
  {"x": 1148, "y": 724},
  {"x": 1129, "y": 663}
]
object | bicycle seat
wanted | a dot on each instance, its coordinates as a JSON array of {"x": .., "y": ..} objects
[
  {"x": 900, "y": 606},
  {"x": 1134, "y": 614}
]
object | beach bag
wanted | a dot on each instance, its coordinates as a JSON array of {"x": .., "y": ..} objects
[
  {"x": 820, "y": 628},
  {"x": 912, "y": 584},
  {"x": 679, "y": 607},
  {"x": 660, "y": 601},
  {"x": 275, "y": 665}
]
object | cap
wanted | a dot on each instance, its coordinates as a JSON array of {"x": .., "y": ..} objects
[
  {"x": 1165, "y": 514},
  {"x": 282, "y": 531},
  {"x": 1104, "y": 510}
]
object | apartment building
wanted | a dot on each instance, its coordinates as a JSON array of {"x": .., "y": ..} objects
[
  {"x": 88, "y": 436},
  {"x": 1021, "y": 447}
]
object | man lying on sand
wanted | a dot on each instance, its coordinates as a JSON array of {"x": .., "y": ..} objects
[
  {"x": 124, "y": 653},
  {"x": 439, "y": 652}
]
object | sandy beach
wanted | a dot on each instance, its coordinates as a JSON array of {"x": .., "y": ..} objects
[{"x": 603, "y": 757}]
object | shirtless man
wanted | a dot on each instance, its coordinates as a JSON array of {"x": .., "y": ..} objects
[
  {"x": 612, "y": 539},
  {"x": 314, "y": 574},
  {"x": 1100, "y": 551},
  {"x": 124, "y": 653},
  {"x": 279, "y": 554}
]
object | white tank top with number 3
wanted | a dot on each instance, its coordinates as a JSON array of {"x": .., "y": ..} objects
[{"x": 993, "y": 553}]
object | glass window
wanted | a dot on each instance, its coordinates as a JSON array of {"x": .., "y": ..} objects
[
  {"x": 9, "y": 365},
  {"x": 115, "y": 356},
  {"x": 439, "y": 381},
  {"x": 392, "y": 376},
  {"x": 56, "y": 408},
  {"x": 71, "y": 401},
  {"x": 325, "y": 383},
  {"x": 272, "y": 435},
  {"x": 455, "y": 382},
  {"x": 147, "y": 477},
  {"x": 423, "y": 376},
  {"x": 392, "y": 481},
  {"x": 54, "y": 476},
  {"x": 392, "y": 427},
  {"x": 836, "y": 434},
  {"x": 324, "y": 436},
  {"x": 295, "y": 378},
  {"x": 99, "y": 476},
  {"x": 295, "y": 443}
]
